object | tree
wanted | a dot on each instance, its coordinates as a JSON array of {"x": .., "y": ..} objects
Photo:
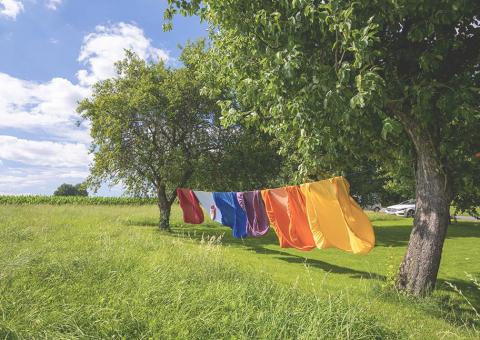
[
  {"x": 153, "y": 131},
  {"x": 336, "y": 81},
  {"x": 150, "y": 125},
  {"x": 245, "y": 158},
  {"x": 370, "y": 184},
  {"x": 70, "y": 190}
]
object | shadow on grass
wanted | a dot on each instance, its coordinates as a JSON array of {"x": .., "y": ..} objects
[
  {"x": 259, "y": 245},
  {"x": 140, "y": 223},
  {"x": 327, "y": 267},
  {"x": 395, "y": 235},
  {"x": 398, "y": 235},
  {"x": 446, "y": 305},
  {"x": 468, "y": 289}
]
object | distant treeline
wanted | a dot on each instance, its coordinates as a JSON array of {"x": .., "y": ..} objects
[{"x": 59, "y": 200}]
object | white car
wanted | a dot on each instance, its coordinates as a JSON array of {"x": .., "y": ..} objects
[{"x": 406, "y": 209}]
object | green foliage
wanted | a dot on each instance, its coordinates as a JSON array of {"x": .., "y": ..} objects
[
  {"x": 370, "y": 184},
  {"x": 78, "y": 200},
  {"x": 340, "y": 81},
  {"x": 391, "y": 272},
  {"x": 70, "y": 190},
  {"x": 245, "y": 158},
  {"x": 150, "y": 126},
  {"x": 248, "y": 161},
  {"x": 154, "y": 130}
]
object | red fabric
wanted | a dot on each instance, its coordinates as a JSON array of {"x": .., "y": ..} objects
[{"x": 192, "y": 213}]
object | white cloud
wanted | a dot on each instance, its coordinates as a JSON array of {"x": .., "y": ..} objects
[
  {"x": 11, "y": 8},
  {"x": 107, "y": 45},
  {"x": 53, "y": 4},
  {"x": 47, "y": 108},
  {"x": 48, "y": 111},
  {"x": 37, "y": 180},
  {"x": 34, "y": 181},
  {"x": 44, "y": 153}
]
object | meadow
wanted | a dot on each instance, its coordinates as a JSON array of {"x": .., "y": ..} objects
[{"x": 95, "y": 271}]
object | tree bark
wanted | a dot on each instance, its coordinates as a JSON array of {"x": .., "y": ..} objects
[
  {"x": 164, "y": 206},
  {"x": 418, "y": 271}
]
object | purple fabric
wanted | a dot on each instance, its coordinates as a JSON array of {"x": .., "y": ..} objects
[{"x": 257, "y": 219}]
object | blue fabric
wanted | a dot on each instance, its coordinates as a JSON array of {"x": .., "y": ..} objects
[{"x": 232, "y": 213}]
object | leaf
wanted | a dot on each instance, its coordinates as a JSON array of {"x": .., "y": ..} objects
[{"x": 390, "y": 126}]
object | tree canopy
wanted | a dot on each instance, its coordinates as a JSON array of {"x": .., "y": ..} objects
[
  {"x": 154, "y": 131},
  {"x": 70, "y": 190},
  {"x": 150, "y": 125},
  {"x": 335, "y": 82}
]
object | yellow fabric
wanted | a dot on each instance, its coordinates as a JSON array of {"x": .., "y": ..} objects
[{"x": 335, "y": 219}]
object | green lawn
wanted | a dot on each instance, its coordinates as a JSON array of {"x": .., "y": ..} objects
[{"x": 108, "y": 272}]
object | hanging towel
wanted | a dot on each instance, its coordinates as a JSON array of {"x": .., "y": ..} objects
[
  {"x": 206, "y": 201},
  {"x": 335, "y": 219},
  {"x": 285, "y": 208},
  {"x": 232, "y": 213},
  {"x": 192, "y": 213},
  {"x": 257, "y": 219}
]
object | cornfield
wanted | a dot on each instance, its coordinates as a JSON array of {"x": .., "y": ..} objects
[{"x": 60, "y": 200}]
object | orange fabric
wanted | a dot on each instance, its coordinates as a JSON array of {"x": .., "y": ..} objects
[
  {"x": 335, "y": 219},
  {"x": 285, "y": 209}
]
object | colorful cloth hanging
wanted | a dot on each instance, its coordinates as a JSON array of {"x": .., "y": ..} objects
[
  {"x": 319, "y": 214},
  {"x": 286, "y": 211},
  {"x": 192, "y": 213},
  {"x": 257, "y": 219},
  {"x": 207, "y": 202},
  {"x": 335, "y": 219},
  {"x": 232, "y": 213}
]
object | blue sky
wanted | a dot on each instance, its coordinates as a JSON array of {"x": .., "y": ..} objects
[{"x": 52, "y": 51}]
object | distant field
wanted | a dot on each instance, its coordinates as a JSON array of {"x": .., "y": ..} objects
[
  {"x": 108, "y": 272},
  {"x": 78, "y": 200}
]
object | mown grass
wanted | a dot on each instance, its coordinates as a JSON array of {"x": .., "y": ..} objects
[{"x": 107, "y": 271}]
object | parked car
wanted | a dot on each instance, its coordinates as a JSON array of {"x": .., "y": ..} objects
[
  {"x": 406, "y": 209},
  {"x": 373, "y": 207}
]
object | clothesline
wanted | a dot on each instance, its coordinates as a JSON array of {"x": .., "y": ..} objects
[{"x": 312, "y": 215}]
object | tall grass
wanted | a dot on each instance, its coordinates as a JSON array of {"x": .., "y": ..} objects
[
  {"x": 73, "y": 271},
  {"x": 123, "y": 286}
]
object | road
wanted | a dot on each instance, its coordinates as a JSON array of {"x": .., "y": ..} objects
[{"x": 466, "y": 218}]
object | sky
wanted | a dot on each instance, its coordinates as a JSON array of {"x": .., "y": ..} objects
[{"x": 51, "y": 52}]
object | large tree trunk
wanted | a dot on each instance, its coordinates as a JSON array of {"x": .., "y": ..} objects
[
  {"x": 419, "y": 269},
  {"x": 165, "y": 206}
]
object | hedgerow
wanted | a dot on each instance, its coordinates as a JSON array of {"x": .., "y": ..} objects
[{"x": 61, "y": 200}]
